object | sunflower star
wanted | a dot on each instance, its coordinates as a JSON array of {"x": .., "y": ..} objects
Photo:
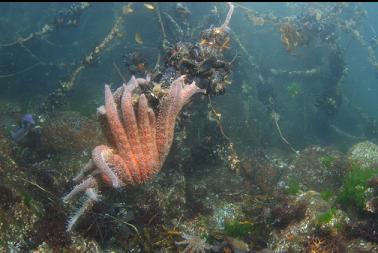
[
  {"x": 195, "y": 244},
  {"x": 140, "y": 141}
]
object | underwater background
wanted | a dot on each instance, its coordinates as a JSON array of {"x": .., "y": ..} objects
[{"x": 243, "y": 127}]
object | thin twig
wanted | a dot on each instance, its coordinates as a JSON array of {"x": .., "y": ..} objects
[
  {"x": 22, "y": 71},
  {"x": 119, "y": 72},
  {"x": 129, "y": 224},
  {"x": 217, "y": 118}
]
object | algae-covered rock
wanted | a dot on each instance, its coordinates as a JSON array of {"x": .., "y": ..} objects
[
  {"x": 70, "y": 131},
  {"x": 318, "y": 168},
  {"x": 355, "y": 191},
  {"x": 361, "y": 246},
  {"x": 364, "y": 154},
  {"x": 163, "y": 197},
  {"x": 17, "y": 223},
  {"x": 319, "y": 217},
  {"x": 79, "y": 244}
]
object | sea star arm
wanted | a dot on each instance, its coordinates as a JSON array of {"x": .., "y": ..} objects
[
  {"x": 91, "y": 197},
  {"x": 167, "y": 118},
  {"x": 100, "y": 156},
  {"x": 130, "y": 123},
  {"x": 120, "y": 136},
  {"x": 90, "y": 182},
  {"x": 120, "y": 167},
  {"x": 188, "y": 91},
  {"x": 147, "y": 136},
  {"x": 89, "y": 166},
  {"x": 170, "y": 106}
]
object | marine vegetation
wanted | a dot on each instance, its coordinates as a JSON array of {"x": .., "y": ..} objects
[
  {"x": 326, "y": 216},
  {"x": 353, "y": 193},
  {"x": 327, "y": 160},
  {"x": 237, "y": 228},
  {"x": 293, "y": 187},
  {"x": 294, "y": 89}
]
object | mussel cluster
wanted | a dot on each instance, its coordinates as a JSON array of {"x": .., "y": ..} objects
[
  {"x": 202, "y": 62},
  {"x": 71, "y": 16},
  {"x": 304, "y": 28},
  {"x": 136, "y": 63}
]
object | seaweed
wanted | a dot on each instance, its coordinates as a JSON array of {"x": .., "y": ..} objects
[
  {"x": 325, "y": 217},
  {"x": 326, "y": 195},
  {"x": 294, "y": 89},
  {"x": 327, "y": 160},
  {"x": 353, "y": 192},
  {"x": 293, "y": 187},
  {"x": 238, "y": 229}
]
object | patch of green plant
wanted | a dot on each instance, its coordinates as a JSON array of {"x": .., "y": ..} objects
[
  {"x": 205, "y": 236},
  {"x": 27, "y": 198},
  {"x": 294, "y": 89},
  {"x": 325, "y": 217},
  {"x": 29, "y": 201},
  {"x": 327, "y": 160},
  {"x": 354, "y": 188},
  {"x": 237, "y": 229},
  {"x": 326, "y": 195},
  {"x": 293, "y": 187}
]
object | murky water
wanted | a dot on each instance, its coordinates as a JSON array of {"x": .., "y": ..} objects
[{"x": 188, "y": 127}]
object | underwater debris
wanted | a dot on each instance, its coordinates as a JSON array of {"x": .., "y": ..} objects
[{"x": 142, "y": 141}]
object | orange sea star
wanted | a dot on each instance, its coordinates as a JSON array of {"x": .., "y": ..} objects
[{"x": 141, "y": 141}]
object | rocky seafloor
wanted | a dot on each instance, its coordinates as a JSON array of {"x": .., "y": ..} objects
[{"x": 320, "y": 200}]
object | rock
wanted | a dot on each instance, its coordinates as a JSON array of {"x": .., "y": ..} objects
[
  {"x": 264, "y": 169},
  {"x": 70, "y": 131},
  {"x": 17, "y": 223},
  {"x": 163, "y": 197},
  {"x": 79, "y": 244},
  {"x": 364, "y": 154},
  {"x": 361, "y": 246},
  {"x": 318, "y": 168},
  {"x": 295, "y": 237}
]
